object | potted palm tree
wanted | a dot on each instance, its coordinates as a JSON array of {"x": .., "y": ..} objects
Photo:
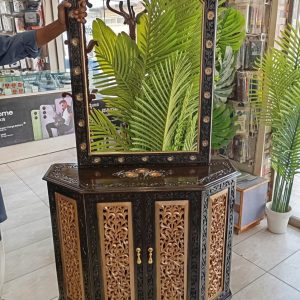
[{"x": 277, "y": 98}]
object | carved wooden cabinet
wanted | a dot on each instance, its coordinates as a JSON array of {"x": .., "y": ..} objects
[{"x": 132, "y": 233}]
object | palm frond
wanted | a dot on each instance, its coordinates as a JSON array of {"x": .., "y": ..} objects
[
  {"x": 191, "y": 137},
  {"x": 156, "y": 33},
  {"x": 154, "y": 120},
  {"x": 275, "y": 78},
  {"x": 119, "y": 64},
  {"x": 289, "y": 43},
  {"x": 106, "y": 136},
  {"x": 224, "y": 76},
  {"x": 231, "y": 29},
  {"x": 224, "y": 128},
  {"x": 188, "y": 109},
  {"x": 286, "y": 136}
]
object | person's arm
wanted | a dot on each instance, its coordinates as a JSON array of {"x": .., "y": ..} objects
[
  {"x": 17, "y": 47},
  {"x": 27, "y": 44},
  {"x": 53, "y": 30}
]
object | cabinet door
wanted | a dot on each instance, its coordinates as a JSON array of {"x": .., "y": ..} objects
[
  {"x": 119, "y": 257},
  {"x": 168, "y": 252}
]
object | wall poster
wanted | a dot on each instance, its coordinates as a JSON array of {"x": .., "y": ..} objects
[{"x": 33, "y": 118}]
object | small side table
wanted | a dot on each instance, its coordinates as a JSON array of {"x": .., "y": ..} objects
[{"x": 249, "y": 209}]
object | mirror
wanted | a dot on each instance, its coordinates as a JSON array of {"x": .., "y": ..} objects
[{"x": 147, "y": 65}]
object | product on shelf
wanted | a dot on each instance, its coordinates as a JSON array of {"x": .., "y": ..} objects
[
  {"x": 19, "y": 6},
  {"x": 242, "y": 112},
  {"x": 240, "y": 148},
  {"x": 5, "y": 7},
  {"x": 19, "y": 24},
  {"x": 32, "y": 82},
  {"x": 7, "y": 23},
  {"x": 246, "y": 82}
]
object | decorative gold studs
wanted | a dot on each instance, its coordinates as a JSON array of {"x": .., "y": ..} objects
[
  {"x": 210, "y": 15},
  {"x": 77, "y": 71},
  {"x": 131, "y": 174},
  {"x": 96, "y": 160},
  {"x": 145, "y": 158},
  {"x": 83, "y": 146},
  {"x": 207, "y": 95},
  {"x": 155, "y": 174},
  {"x": 209, "y": 44},
  {"x": 75, "y": 42},
  {"x": 79, "y": 97},
  {"x": 206, "y": 119},
  {"x": 205, "y": 143},
  {"x": 193, "y": 157},
  {"x": 81, "y": 123},
  {"x": 142, "y": 171},
  {"x": 121, "y": 160},
  {"x": 208, "y": 71},
  {"x": 170, "y": 158}
]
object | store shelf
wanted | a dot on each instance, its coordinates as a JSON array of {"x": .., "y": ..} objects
[{"x": 35, "y": 94}]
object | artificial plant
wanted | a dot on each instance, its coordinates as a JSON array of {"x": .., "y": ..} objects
[
  {"x": 149, "y": 81},
  {"x": 277, "y": 100},
  {"x": 230, "y": 37}
]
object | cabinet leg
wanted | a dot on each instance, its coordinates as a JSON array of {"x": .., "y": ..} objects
[{"x": 228, "y": 296}]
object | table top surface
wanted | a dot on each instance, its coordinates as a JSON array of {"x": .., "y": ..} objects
[
  {"x": 139, "y": 178},
  {"x": 251, "y": 183}
]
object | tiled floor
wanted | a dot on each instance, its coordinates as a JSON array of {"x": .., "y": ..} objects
[{"x": 264, "y": 266}]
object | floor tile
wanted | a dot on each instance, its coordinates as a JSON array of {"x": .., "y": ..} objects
[
  {"x": 25, "y": 215},
  {"x": 45, "y": 199},
  {"x": 28, "y": 259},
  {"x": 237, "y": 238},
  {"x": 4, "y": 168},
  {"x": 27, "y": 234},
  {"x": 40, "y": 189},
  {"x": 266, "y": 249},
  {"x": 73, "y": 153},
  {"x": 24, "y": 167},
  {"x": 38, "y": 285},
  {"x": 6, "y": 174},
  {"x": 14, "y": 186},
  {"x": 20, "y": 200},
  {"x": 242, "y": 273},
  {"x": 267, "y": 287},
  {"x": 33, "y": 175},
  {"x": 289, "y": 271}
]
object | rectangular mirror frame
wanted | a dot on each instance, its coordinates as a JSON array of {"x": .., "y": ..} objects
[{"x": 77, "y": 45}]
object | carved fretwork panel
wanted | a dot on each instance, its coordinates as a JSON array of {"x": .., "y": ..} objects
[
  {"x": 171, "y": 230},
  {"x": 116, "y": 246},
  {"x": 70, "y": 247},
  {"x": 217, "y": 222}
]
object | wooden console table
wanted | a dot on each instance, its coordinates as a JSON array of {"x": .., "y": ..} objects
[{"x": 136, "y": 233}]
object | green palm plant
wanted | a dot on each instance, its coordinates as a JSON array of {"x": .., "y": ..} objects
[
  {"x": 151, "y": 85},
  {"x": 277, "y": 100},
  {"x": 224, "y": 127},
  {"x": 230, "y": 37}
]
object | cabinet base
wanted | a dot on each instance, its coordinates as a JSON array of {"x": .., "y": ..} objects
[{"x": 228, "y": 297}]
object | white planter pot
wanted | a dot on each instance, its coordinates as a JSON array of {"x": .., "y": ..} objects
[{"x": 277, "y": 222}]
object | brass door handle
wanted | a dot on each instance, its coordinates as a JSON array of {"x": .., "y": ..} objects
[
  {"x": 150, "y": 260},
  {"x": 138, "y": 253}
]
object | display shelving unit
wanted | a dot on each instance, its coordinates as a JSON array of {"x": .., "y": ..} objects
[{"x": 269, "y": 19}]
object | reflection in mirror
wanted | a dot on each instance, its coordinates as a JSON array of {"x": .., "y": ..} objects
[{"x": 146, "y": 68}]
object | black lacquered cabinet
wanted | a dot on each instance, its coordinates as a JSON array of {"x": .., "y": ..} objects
[{"x": 118, "y": 236}]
